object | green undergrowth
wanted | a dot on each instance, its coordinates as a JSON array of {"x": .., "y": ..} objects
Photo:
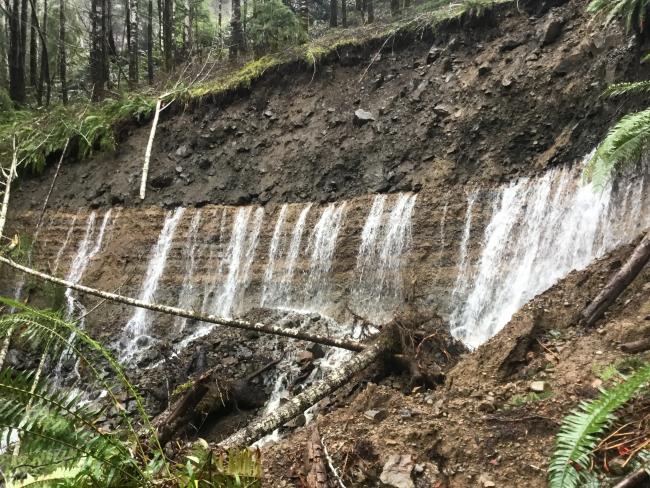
[{"x": 42, "y": 132}]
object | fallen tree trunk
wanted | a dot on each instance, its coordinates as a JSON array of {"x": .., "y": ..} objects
[
  {"x": 315, "y": 461},
  {"x": 297, "y": 405},
  {"x": 180, "y": 414},
  {"x": 619, "y": 282},
  {"x": 636, "y": 346},
  {"x": 638, "y": 478},
  {"x": 190, "y": 314},
  {"x": 9, "y": 177},
  {"x": 147, "y": 154}
]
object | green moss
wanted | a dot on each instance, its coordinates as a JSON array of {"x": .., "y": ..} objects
[{"x": 520, "y": 400}]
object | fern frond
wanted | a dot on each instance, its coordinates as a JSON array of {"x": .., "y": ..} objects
[
  {"x": 619, "y": 89},
  {"x": 624, "y": 145},
  {"x": 580, "y": 431}
]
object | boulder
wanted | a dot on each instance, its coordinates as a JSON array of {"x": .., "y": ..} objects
[
  {"x": 362, "y": 117},
  {"x": 551, "y": 30},
  {"x": 397, "y": 471}
]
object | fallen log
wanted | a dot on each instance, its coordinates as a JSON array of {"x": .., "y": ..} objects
[
  {"x": 638, "y": 478},
  {"x": 297, "y": 405},
  {"x": 636, "y": 346},
  {"x": 190, "y": 314},
  {"x": 619, "y": 282},
  {"x": 315, "y": 461},
  {"x": 225, "y": 395}
]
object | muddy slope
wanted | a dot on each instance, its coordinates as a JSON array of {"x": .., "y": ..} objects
[
  {"x": 503, "y": 97},
  {"x": 483, "y": 427}
]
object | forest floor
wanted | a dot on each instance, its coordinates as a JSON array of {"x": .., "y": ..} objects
[{"x": 485, "y": 426}]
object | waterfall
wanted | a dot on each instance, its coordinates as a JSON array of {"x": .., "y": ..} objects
[
  {"x": 385, "y": 241},
  {"x": 63, "y": 247},
  {"x": 320, "y": 249},
  {"x": 137, "y": 325},
  {"x": 187, "y": 296},
  {"x": 86, "y": 251},
  {"x": 239, "y": 259},
  {"x": 274, "y": 253},
  {"x": 540, "y": 230},
  {"x": 278, "y": 288}
]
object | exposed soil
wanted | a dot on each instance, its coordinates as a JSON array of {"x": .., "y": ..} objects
[
  {"x": 476, "y": 429},
  {"x": 476, "y": 103}
]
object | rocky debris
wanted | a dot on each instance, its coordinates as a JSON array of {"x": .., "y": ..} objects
[
  {"x": 537, "y": 386},
  {"x": 375, "y": 415},
  {"x": 433, "y": 54},
  {"x": 362, "y": 117},
  {"x": 184, "y": 151},
  {"x": 442, "y": 110},
  {"x": 485, "y": 481},
  {"x": 551, "y": 30},
  {"x": 397, "y": 471},
  {"x": 484, "y": 69}
]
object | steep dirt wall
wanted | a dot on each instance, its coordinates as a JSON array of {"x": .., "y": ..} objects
[{"x": 486, "y": 103}]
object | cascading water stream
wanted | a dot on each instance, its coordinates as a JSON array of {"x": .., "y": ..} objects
[
  {"x": 137, "y": 326},
  {"x": 385, "y": 242},
  {"x": 540, "y": 230},
  {"x": 187, "y": 296},
  {"x": 275, "y": 251}
]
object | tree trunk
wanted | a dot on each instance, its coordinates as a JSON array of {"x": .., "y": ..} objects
[
  {"x": 45, "y": 61},
  {"x": 344, "y": 13},
  {"x": 297, "y": 405},
  {"x": 637, "y": 478},
  {"x": 96, "y": 61},
  {"x": 303, "y": 8},
  {"x": 315, "y": 460},
  {"x": 132, "y": 35},
  {"x": 619, "y": 282},
  {"x": 168, "y": 39},
  {"x": 24, "y": 22},
  {"x": 636, "y": 346},
  {"x": 190, "y": 314},
  {"x": 394, "y": 7},
  {"x": 187, "y": 28},
  {"x": 150, "y": 42},
  {"x": 33, "y": 47},
  {"x": 370, "y": 5},
  {"x": 4, "y": 55},
  {"x": 333, "y": 13},
  {"x": 62, "y": 54},
  {"x": 9, "y": 177},
  {"x": 16, "y": 66},
  {"x": 236, "y": 36},
  {"x": 147, "y": 152}
]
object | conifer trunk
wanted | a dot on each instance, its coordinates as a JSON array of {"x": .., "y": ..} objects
[
  {"x": 33, "y": 47},
  {"x": 333, "y": 13},
  {"x": 236, "y": 36},
  {"x": 44, "y": 78},
  {"x": 370, "y": 5},
  {"x": 15, "y": 60},
  {"x": 344, "y": 13},
  {"x": 168, "y": 38},
  {"x": 150, "y": 42},
  {"x": 62, "y": 54}
]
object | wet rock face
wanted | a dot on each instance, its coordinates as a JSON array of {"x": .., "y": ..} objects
[{"x": 481, "y": 105}]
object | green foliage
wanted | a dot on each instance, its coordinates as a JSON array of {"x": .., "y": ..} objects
[
  {"x": 582, "y": 428},
  {"x": 63, "y": 440},
  {"x": 634, "y": 12},
  {"x": 520, "y": 399},
  {"x": 6, "y": 105},
  {"x": 274, "y": 26},
  {"x": 622, "y": 147}
]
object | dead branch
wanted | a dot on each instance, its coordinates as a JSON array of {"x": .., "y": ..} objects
[
  {"x": 49, "y": 192},
  {"x": 619, "y": 282},
  {"x": 190, "y": 314},
  {"x": 147, "y": 154},
  {"x": 7, "y": 190}
]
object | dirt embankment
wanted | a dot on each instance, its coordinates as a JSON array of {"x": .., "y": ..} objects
[
  {"x": 483, "y": 103},
  {"x": 485, "y": 426}
]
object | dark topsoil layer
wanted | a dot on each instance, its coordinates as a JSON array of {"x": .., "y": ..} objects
[{"x": 481, "y": 103}]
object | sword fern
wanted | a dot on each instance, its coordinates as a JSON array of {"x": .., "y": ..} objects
[{"x": 582, "y": 428}]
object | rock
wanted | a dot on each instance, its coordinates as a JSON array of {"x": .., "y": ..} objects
[
  {"x": 397, "y": 471},
  {"x": 537, "y": 386},
  {"x": 362, "y": 117},
  {"x": 484, "y": 69},
  {"x": 551, "y": 30},
  {"x": 179, "y": 169},
  {"x": 506, "y": 82},
  {"x": 442, "y": 109},
  {"x": 304, "y": 357},
  {"x": 375, "y": 415},
  {"x": 316, "y": 350},
  {"x": 161, "y": 181},
  {"x": 183, "y": 151},
  {"x": 142, "y": 341},
  {"x": 434, "y": 53},
  {"x": 229, "y": 361}
]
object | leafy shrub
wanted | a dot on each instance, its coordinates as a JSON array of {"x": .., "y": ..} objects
[{"x": 274, "y": 26}]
